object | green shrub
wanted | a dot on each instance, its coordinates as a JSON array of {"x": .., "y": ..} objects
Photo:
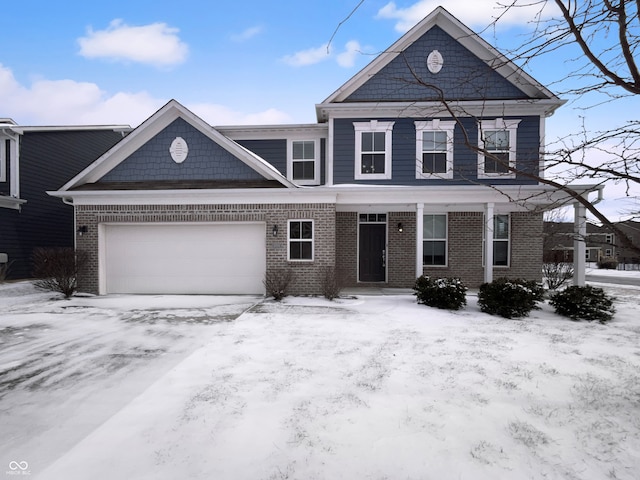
[
  {"x": 446, "y": 293},
  {"x": 510, "y": 298},
  {"x": 608, "y": 263},
  {"x": 583, "y": 303}
]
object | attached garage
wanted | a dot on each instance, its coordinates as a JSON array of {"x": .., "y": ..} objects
[{"x": 183, "y": 258}]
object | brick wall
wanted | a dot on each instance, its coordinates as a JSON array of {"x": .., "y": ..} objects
[
  {"x": 308, "y": 275},
  {"x": 465, "y": 249}
]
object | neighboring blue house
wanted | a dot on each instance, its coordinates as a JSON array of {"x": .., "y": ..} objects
[
  {"x": 32, "y": 161},
  {"x": 388, "y": 185}
]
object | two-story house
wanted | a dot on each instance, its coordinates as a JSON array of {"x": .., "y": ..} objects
[
  {"x": 421, "y": 163},
  {"x": 34, "y": 160}
]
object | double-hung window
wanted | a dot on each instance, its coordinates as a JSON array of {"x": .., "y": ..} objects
[
  {"x": 373, "y": 150},
  {"x": 434, "y": 240},
  {"x": 303, "y": 162},
  {"x": 501, "y": 244},
  {"x": 434, "y": 149},
  {"x": 300, "y": 240},
  {"x": 497, "y": 142}
]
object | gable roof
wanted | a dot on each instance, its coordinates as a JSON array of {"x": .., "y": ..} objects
[
  {"x": 462, "y": 34},
  {"x": 154, "y": 125}
]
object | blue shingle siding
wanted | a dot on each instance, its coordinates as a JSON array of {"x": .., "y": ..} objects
[
  {"x": 206, "y": 160},
  {"x": 273, "y": 151},
  {"x": 463, "y": 76},
  {"x": 465, "y": 161}
]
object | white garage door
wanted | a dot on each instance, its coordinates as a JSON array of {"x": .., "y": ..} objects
[{"x": 227, "y": 258}]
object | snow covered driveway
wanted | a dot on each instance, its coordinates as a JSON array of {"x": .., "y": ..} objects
[{"x": 371, "y": 387}]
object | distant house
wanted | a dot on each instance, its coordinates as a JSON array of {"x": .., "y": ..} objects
[
  {"x": 34, "y": 160},
  {"x": 383, "y": 187},
  {"x": 600, "y": 242}
]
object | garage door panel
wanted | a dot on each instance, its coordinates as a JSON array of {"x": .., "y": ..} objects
[{"x": 185, "y": 258}]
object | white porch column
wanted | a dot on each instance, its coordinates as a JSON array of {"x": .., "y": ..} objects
[
  {"x": 579, "y": 243},
  {"x": 488, "y": 243},
  {"x": 419, "y": 239}
]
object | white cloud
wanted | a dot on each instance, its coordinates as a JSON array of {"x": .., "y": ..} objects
[
  {"x": 247, "y": 34},
  {"x": 215, "y": 114},
  {"x": 68, "y": 102},
  {"x": 348, "y": 57},
  {"x": 473, "y": 13},
  {"x": 156, "y": 44},
  {"x": 310, "y": 56}
]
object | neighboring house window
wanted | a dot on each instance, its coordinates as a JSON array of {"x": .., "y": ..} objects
[
  {"x": 609, "y": 238},
  {"x": 434, "y": 240},
  {"x": 607, "y": 252},
  {"x": 300, "y": 240},
  {"x": 498, "y": 138},
  {"x": 303, "y": 162},
  {"x": 500, "y": 241},
  {"x": 434, "y": 149},
  {"x": 4, "y": 159},
  {"x": 373, "y": 150}
]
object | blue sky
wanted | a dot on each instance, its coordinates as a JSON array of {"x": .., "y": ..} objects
[
  {"x": 231, "y": 62},
  {"x": 242, "y": 62}
]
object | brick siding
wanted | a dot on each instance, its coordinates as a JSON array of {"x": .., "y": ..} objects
[{"x": 308, "y": 275}]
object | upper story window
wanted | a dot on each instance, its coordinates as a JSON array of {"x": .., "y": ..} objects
[
  {"x": 498, "y": 138},
  {"x": 434, "y": 149},
  {"x": 373, "y": 150},
  {"x": 300, "y": 240},
  {"x": 5, "y": 149},
  {"x": 303, "y": 162}
]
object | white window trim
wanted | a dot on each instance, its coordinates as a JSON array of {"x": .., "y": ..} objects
[
  {"x": 508, "y": 240},
  {"x": 446, "y": 241},
  {"x": 312, "y": 240},
  {"x": 434, "y": 125},
  {"x": 373, "y": 126},
  {"x": 316, "y": 160},
  {"x": 498, "y": 124}
]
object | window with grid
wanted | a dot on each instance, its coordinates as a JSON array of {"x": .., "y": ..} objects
[
  {"x": 501, "y": 240},
  {"x": 300, "y": 240},
  {"x": 373, "y": 150},
  {"x": 434, "y": 240},
  {"x": 434, "y": 149},
  {"x": 496, "y": 142},
  {"x": 303, "y": 161},
  {"x": 498, "y": 139}
]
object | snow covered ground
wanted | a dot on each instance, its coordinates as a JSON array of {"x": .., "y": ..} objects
[{"x": 373, "y": 387}]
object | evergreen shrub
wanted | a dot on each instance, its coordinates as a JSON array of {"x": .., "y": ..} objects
[
  {"x": 510, "y": 298},
  {"x": 445, "y": 293},
  {"x": 583, "y": 303}
]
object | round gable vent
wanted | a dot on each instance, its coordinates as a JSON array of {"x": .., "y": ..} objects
[
  {"x": 179, "y": 150},
  {"x": 435, "y": 61}
]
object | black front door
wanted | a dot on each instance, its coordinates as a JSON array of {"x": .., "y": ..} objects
[{"x": 372, "y": 261}]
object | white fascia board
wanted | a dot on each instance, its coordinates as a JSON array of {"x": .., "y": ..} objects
[
  {"x": 513, "y": 197},
  {"x": 480, "y": 108},
  {"x": 73, "y": 128},
  {"x": 270, "y": 132},
  {"x": 196, "y": 196}
]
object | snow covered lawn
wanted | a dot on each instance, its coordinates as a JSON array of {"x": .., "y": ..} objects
[{"x": 372, "y": 387}]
